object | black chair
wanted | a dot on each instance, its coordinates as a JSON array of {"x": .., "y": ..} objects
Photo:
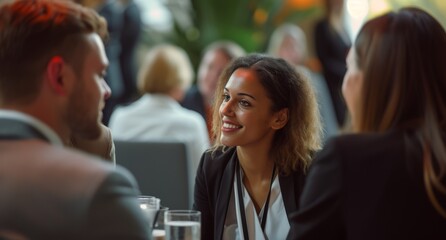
[{"x": 160, "y": 169}]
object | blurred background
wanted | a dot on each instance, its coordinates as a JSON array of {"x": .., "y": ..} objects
[
  {"x": 193, "y": 24},
  {"x": 136, "y": 26}
]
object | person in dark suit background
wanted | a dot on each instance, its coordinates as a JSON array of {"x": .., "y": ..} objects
[
  {"x": 52, "y": 64},
  {"x": 387, "y": 180},
  {"x": 200, "y": 96},
  {"x": 332, "y": 43},
  {"x": 112, "y": 11},
  {"x": 124, "y": 25},
  {"x": 129, "y": 39},
  {"x": 266, "y": 129}
]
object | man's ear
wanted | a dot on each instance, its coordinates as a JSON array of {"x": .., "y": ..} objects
[
  {"x": 55, "y": 75},
  {"x": 280, "y": 119}
]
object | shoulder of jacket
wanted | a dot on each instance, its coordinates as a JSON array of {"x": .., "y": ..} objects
[{"x": 218, "y": 157}]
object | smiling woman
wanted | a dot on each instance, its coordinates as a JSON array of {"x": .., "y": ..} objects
[
  {"x": 246, "y": 112},
  {"x": 266, "y": 131}
]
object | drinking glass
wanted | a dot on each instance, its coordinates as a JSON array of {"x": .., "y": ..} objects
[
  {"x": 158, "y": 232},
  {"x": 149, "y": 206},
  {"x": 159, "y": 219},
  {"x": 182, "y": 224}
]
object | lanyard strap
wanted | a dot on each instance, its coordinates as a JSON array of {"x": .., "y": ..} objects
[{"x": 242, "y": 205}]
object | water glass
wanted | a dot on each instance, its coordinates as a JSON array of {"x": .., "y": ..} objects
[
  {"x": 159, "y": 219},
  {"x": 149, "y": 206},
  {"x": 182, "y": 224},
  {"x": 158, "y": 232}
]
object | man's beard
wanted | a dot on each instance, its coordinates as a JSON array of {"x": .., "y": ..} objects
[{"x": 81, "y": 118}]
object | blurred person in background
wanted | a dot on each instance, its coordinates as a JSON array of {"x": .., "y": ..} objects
[
  {"x": 163, "y": 79},
  {"x": 52, "y": 64},
  {"x": 332, "y": 42},
  {"x": 200, "y": 96},
  {"x": 129, "y": 39},
  {"x": 112, "y": 11},
  {"x": 288, "y": 41},
  {"x": 387, "y": 180}
]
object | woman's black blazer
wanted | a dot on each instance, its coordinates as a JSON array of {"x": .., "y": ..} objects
[
  {"x": 213, "y": 186},
  {"x": 368, "y": 187}
]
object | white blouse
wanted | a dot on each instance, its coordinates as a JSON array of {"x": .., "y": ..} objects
[{"x": 277, "y": 225}]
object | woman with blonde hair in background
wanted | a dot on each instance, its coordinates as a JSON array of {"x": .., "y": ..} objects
[{"x": 163, "y": 78}]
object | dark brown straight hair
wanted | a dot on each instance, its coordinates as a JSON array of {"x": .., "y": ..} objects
[{"x": 402, "y": 56}]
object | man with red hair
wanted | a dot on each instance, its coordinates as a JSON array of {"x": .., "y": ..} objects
[{"x": 52, "y": 65}]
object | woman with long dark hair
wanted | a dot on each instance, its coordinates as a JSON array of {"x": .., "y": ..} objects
[{"x": 386, "y": 181}]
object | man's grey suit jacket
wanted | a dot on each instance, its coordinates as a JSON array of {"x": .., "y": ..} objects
[{"x": 51, "y": 192}]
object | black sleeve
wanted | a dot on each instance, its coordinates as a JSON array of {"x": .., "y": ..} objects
[
  {"x": 114, "y": 212},
  {"x": 202, "y": 201},
  {"x": 319, "y": 215}
]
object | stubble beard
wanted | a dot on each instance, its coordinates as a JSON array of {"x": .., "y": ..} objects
[{"x": 82, "y": 119}]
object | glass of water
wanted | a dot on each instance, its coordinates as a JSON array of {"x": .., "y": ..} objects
[
  {"x": 149, "y": 206},
  {"x": 182, "y": 224}
]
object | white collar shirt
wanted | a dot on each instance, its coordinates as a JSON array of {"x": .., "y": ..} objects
[{"x": 277, "y": 225}]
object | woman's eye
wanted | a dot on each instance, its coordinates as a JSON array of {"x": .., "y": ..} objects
[
  {"x": 226, "y": 97},
  {"x": 244, "y": 103}
]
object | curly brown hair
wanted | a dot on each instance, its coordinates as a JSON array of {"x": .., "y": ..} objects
[{"x": 294, "y": 144}]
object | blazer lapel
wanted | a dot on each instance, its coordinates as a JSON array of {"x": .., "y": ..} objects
[
  {"x": 222, "y": 202},
  {"x": 17, "y": 130},
  {"x": 289, "y": 194}
]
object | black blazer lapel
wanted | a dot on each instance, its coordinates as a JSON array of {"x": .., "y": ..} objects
[
  {"x": 222, "y": 203},
  {"x": 290, "y": 186},
  {"x": 16, "y": 130}
]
